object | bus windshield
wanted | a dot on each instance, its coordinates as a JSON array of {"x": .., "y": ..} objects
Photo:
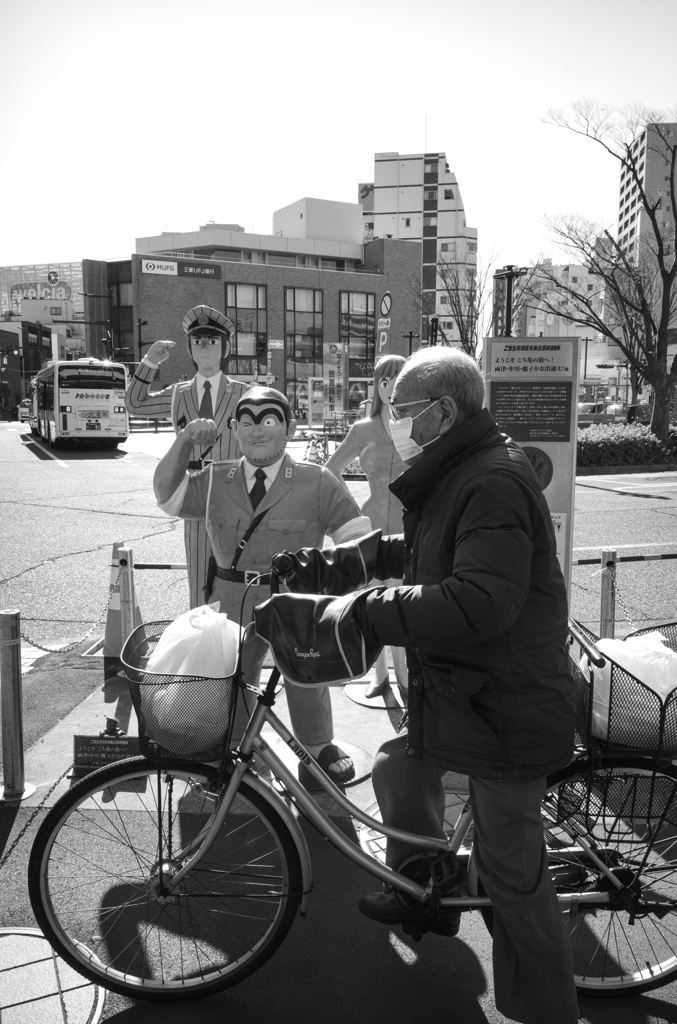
[{"x": 92, "y": 378}]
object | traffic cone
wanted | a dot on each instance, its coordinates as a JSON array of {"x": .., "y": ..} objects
[
  {"x": 312, "y": 454},
  {"x": 113, "y": 638}
]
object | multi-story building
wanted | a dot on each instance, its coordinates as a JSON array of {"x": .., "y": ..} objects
[
  {"x": 416, "y": 197},
  {"x": 25, "y": 347},
  {"x": 304, "y": 300},
  {"x": 652, "y": 160}
]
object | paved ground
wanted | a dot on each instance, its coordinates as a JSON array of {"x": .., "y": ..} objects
[{"x": 335, "y": 966}]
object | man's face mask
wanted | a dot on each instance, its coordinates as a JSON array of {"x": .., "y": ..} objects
[
  {"x": 262, "y": 433},
  {"x": 400, "y": 429}
]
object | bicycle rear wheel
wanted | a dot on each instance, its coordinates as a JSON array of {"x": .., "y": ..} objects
[
  {"x": 97, "y": 869},
  {"x": 626, "y": 808}
]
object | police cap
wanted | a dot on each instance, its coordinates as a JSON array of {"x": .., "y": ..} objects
[{"x": 204, "y": 319}]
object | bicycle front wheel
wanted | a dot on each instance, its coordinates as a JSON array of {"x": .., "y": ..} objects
[
  {"x": 101, "y": 860},
  {"x": 626, "y": 810}
]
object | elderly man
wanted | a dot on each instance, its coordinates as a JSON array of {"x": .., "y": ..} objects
[
  {"x": 211, "y": 394},
  {"x": 483, "y": 616},
  {"x": 254, "y": 507}
]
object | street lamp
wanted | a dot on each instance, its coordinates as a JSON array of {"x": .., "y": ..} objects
[
  {"x": 140, "y": 324},
  {"x": 508, "y": 275}
]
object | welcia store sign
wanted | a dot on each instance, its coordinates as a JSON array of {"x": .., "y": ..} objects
[{"x": 172, "y": 268}]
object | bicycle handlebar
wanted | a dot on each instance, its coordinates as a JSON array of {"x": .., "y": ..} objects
[
  {"x": 283, "y": 565},
  {"x": 595, "y": 656}
]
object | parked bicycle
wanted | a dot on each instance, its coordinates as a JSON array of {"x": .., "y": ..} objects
[{"x": 169, "y": 877}]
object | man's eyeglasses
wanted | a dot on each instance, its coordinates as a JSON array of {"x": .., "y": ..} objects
[
  {"x": 202, "y": 339},
  {"x": 396, "y": 406}
]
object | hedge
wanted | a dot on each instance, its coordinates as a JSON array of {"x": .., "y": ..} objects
[{"x": 621, "y": 444}]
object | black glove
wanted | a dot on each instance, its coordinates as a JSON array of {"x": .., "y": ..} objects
[
  {"x": 317, "y": 640},
  {"x": 345, "y": 567}
]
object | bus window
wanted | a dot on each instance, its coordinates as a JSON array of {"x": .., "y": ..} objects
[{"x": 92, "y": 378}]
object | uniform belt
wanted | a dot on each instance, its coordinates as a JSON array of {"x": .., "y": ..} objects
[{"x": 235, "y": 576}]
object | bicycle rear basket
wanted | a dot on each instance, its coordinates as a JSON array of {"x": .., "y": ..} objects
[
  {"x": 180, "y": 717},
  {"x": 638, "y": 719}
]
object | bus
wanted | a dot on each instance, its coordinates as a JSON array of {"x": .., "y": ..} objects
[{"x": 80, "y": 400}]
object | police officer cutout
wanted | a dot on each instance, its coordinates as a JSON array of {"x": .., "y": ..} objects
[
  {"x": 211, "y": 394},
  {"x": 268, "y": 500}
]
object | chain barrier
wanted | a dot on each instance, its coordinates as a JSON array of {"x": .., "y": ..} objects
[
  {"x": 617, "y": 592},
  {"x": 30, "y": 819},
  {"x": 76, "y": 643}
]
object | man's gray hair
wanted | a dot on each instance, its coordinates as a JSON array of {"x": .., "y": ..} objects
[{"x": 446, "y": 371}]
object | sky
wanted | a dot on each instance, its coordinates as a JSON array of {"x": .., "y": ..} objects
[{"x": 125, "y": 118}]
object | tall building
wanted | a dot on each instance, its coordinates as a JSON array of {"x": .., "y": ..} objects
[
  {"x": 652, "y": 159},
  {"x": 416, "y": 197}
]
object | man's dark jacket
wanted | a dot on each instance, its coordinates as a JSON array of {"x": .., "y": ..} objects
[{"x": 482, "y": 612}]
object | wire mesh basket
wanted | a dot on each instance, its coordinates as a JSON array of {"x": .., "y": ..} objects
[
  {"x": 639, "y": 720},
  {"x": 180, "y": 717}
]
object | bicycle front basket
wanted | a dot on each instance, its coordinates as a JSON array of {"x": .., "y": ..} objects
[{"x": 184, "y": 717}]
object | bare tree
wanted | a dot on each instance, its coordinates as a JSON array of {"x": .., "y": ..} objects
[
  {"x": 636, "y": 278},
  {"x": 466, "y": 294}
]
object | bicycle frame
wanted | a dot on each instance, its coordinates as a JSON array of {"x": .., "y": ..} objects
[{"x": 253, "y": 742}]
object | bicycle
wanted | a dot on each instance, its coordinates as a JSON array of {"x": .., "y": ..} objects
[{"x": 174, "y": 878}]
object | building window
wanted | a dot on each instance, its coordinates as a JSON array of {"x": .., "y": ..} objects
[
  {"x": 246, "y": 307},
  {"x": 304, "y": 336},
  {"x": 472, "y": 246},
  {"x": 430, "y": 193},
  {"x": 448, "y": 193},
  {"x": 429, "y": 222},
  {"x": 357, "y": 331},
  {"x": 430, "y": 167},
  {"x": 407, "y": 222}
]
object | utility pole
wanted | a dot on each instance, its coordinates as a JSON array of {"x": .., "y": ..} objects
[{"x": 411, "y": 335}]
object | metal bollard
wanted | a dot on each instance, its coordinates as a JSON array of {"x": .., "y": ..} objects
[
  {"x": 15, "y": 786},
  {"x": 127, "y": 593},
  {"x": 607, "y": 610}
]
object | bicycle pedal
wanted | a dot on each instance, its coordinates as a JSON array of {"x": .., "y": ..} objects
[{"x": 446, "y": 873}]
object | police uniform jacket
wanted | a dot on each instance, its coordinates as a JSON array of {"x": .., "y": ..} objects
[
  {"x": 303, "y": 504},
  {"x": 179, "y": 403}
]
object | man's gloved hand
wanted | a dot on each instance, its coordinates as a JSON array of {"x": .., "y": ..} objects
[
  {"x": 336, "y": 570},
  {"x": 317, "y": 640}
]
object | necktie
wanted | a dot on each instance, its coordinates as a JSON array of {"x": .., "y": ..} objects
[
  {"x": 259, "y": 489},
  {"x": 206, "y": 408}
]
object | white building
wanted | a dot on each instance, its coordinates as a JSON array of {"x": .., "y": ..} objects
[{"x": 416, "y": 197}]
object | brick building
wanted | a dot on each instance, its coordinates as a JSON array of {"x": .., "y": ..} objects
[{"x": 305, "y": 310}]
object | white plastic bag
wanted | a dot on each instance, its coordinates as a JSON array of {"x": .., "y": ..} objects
[
  {"x": 189, "y": 718},
  {"x": 645, "y": 657},
  {"x": 201, "y": 642}
]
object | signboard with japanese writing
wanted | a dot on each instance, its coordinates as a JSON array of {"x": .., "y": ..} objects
[
  {"x": 212, "y": 271},
  {"x": 533, "y": 411},
  {"x": 335, "y": 377},
  {"x": 532, "y": 388}
]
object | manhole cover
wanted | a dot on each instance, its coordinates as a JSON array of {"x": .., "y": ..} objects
[{"x": 36, "y": 984}]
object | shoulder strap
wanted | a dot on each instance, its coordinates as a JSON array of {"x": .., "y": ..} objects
[{"x": 243, "y": 543}]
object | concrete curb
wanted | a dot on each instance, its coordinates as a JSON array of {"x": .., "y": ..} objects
[{"x": 668, "y": 467}]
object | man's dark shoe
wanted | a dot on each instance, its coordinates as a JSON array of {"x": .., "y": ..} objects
[
  {"x": 386, "y": 908},
  {"x": 383, "y": 907}
]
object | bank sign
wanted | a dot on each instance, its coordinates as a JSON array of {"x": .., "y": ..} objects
[{"x": 173, "y": 268}]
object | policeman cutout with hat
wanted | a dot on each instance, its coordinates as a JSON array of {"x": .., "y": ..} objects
[
  {"x": 210, "y": 395},
  {"x": 255, "y": 507}
]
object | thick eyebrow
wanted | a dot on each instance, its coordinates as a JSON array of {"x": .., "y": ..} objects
[{"x": 270, "y": 410}]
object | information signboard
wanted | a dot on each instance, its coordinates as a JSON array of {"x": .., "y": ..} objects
[{"x": 532, "y": 393}]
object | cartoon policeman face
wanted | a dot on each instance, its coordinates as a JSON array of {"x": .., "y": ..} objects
[
  {"x": 262, "y": 431},
  {"x": 206, "y": 348}
]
